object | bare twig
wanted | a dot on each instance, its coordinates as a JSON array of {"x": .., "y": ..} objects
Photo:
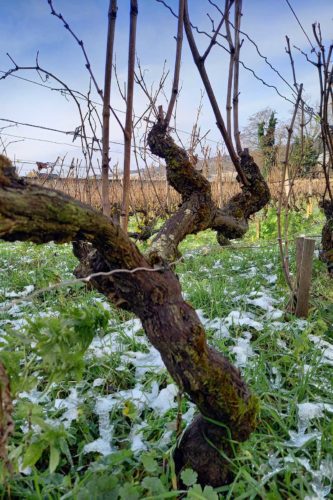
[
  {"x": 112, "y": 15},
  {"x": 210, "y": 93},
  {"x": 284, "y": 255},
  {"x": 235, "y": 100},
  {"x": 129, "y": 112},
  {"x": 175, "y": 84}
]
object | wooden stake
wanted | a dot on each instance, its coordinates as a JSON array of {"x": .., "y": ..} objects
[{"x": 304, "y": 274}]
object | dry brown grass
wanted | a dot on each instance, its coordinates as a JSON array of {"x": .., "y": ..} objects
[{"x": 157, "y": 197}]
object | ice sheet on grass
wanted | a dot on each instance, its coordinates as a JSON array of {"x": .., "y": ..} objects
[
  {"x": 271, "y": 278},
  {"x": 26, "y": 290},
  {"x": 242, "y": 349},
  {"x": 299, "y": 439},
  {"x": 189, "y": 415},
  {"x": 319, "y": 481},
  {"x": 15, "y": 324},
  {"x": 159, "y": 401},
  {"x": 34, "y": 396},
  {"x": 263, "y": 301},
  {"x": 242, "y": 318},
  {"x": 266, "y": 302},
  {"x": 251, "y": 272},
  {"x": 104, "y": 346},
  {"x": 112, "y": 342},
  {"x": 319, "y": 477},
  {"x": 165, "y": 439},
  {"x": 98, "y": 382},
  {"x": 144, "y": 361},
  {"x": 326, "y": 348},
  {"x": 132, "y": 326},
  {"x": 217, "y": 264},
  {"x": 102, "y": 445},
  {"x": 136, "y": 437},
  {"x": 165, "y": 400},
  {"x": 70, "y": 405},
  {"x": 215, "y": 324},
  {"x": 276, "y": 378},
  {"x": 307, "y": 412},
  {"x": 276, "y": 465}
]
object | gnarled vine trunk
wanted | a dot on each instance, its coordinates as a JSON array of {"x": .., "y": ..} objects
[
  {"x": 37, "y": 214},
  {"x": 326, "y": 254}
]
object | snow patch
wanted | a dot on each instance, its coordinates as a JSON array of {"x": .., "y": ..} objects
[
  {"x": 165, "y": 400},
  {"x": 242, "y": 349},
  {"x": 241, "y": 318},
  {"x": 326, "y": 348},
  {"x": 70, "y": 404}
]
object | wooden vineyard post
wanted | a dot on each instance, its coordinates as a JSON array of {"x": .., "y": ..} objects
[
  {"x": 304, "y": 257},
  {"x": 258, "y": 227}
]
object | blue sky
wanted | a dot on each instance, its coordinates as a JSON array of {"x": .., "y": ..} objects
[{"x": 28, "y": 27}]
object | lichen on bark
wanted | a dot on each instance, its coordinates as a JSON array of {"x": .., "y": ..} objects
[{"x": 198, "y": 210}]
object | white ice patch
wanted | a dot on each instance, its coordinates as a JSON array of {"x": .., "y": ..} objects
[
  {"x": 271, "y": 278},
  {"x": 132, "y": 327},
  {"x": 34, "y": 396},
  {"x": 189, "y": 415},
  {"x": 165, "y": 439},
  {"x": 144, "y": 361},
  {"x": 217, "y": 265},
  {"x": 309, "y": 411},
  {"x": 241, "y": 318},
  {"x": 251, "y": 272},
  {"x": 70, "y": 404},
  {"x": 165, "y": 400},
  {"x": 104, "y": 346},
  {"x": 98, "y": 382},
  {"x": 136, "y": 437},
  {"x": 319, "y": 481},
  {"x": 102, "y": 445},
  {"x": 26, "y": 291},
  {"x": 111, "y": 343},
  {"x": 326, "y": 348},
  {"x": 299, "y": 439},
  {"x": 215, "y": 324},
  {"x": 242, "y": 349},
  {"x": 160, "y": 402},
  {"x": 276, "y": 379},
  {"x": 306, "y": 413},
  {"x": 104, "y": 303}
]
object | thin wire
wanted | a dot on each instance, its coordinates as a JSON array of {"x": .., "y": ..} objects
[
  {"x": 64, "y": 143},
  {"x": 93, "y": 102},
  {"x": 86, "y": 279},
  {"x": 201, "y": 32},
  {"x": 300, "y": 24}
]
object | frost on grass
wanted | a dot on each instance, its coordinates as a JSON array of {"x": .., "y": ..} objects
[
  {"x": 249, "y": 300},
  {"x": 242, "y": 350},
  {"x": 144, "y": 361},
  {"x": 325, "y": 347},
  {"x": 159, "y": 401},
  {"x": 70, "y": 405},
  {"x": 306, "y": 413},
  {"x": 241, "y": 318}
]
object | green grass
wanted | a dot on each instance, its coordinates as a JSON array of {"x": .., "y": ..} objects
[{"x": 43, "y": 341}]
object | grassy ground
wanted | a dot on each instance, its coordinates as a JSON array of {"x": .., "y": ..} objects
[{"x": 96, "y": 414}]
